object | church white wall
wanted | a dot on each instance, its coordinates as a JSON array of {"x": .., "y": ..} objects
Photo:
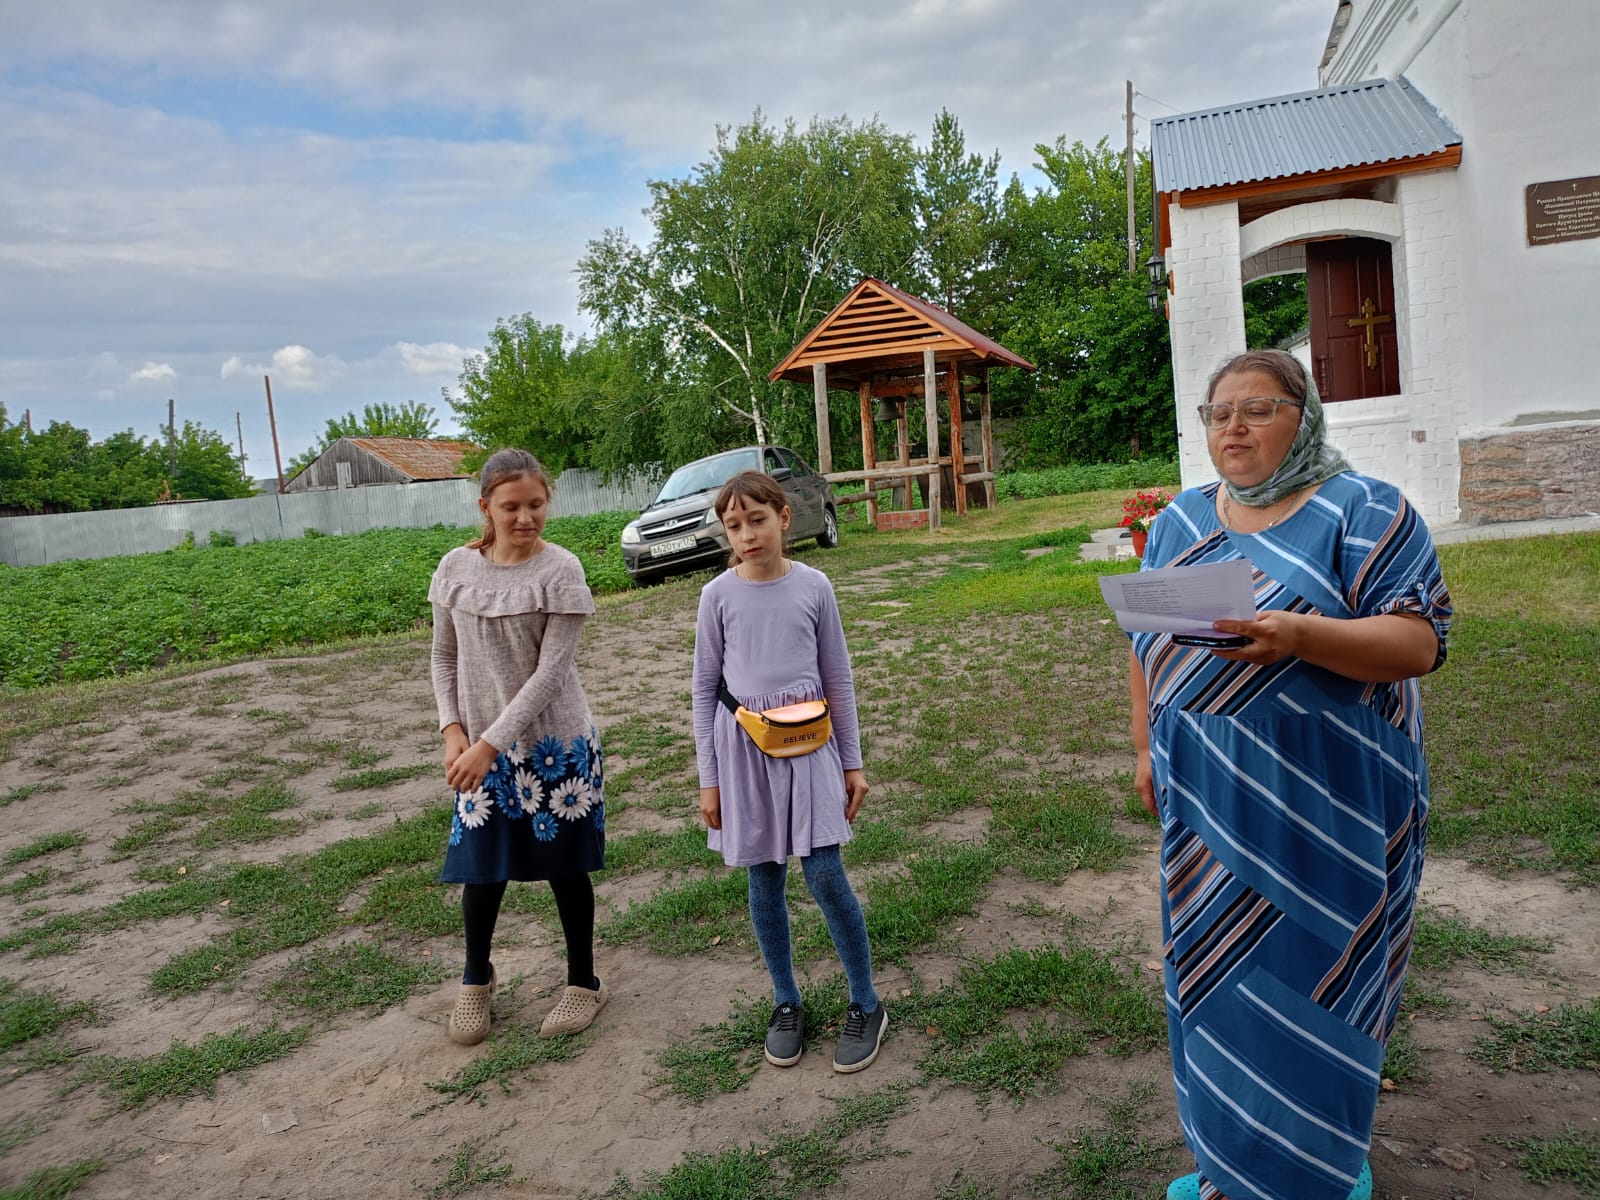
[
  {"x": 1432, "y": 322},
  {"x": 1207, "y": 317},
  {"x": 1515, "y": 80}
]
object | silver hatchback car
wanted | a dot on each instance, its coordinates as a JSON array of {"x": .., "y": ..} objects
[{"x": 678, "y": 531}]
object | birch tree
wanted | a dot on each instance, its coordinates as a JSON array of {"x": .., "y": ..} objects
[{"x": 748, "y": 253}]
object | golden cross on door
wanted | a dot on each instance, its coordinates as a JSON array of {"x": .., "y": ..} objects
[{"x": 1370, "y": 317}]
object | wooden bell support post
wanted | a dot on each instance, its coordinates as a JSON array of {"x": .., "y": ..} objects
[
  {"x": 869, "y": 453},
  {"x": 819, "y": 399},
  {"x": 902, "y": 442},
  {"x": 930, "y": 409},
  {"x": 958, "y": 447}
]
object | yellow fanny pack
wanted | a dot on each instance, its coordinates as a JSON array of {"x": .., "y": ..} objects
[{"x": 785, "y": 732}]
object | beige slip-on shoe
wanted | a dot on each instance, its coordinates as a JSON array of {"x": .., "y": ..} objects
[
  {"x": 469, "y": 1020},
  {"x": 574, "y": 1012}
]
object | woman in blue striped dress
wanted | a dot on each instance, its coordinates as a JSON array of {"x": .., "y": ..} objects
[{"x": 1289, "y": 779}]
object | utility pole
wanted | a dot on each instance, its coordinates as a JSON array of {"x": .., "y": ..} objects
[
  {"x": 1133, "y": 241},
  {"x": 238, "y": 423},
  {"x": 172, "y": 438},
  {"x": 277, "y": 455},
  {"x": 27, "y": 420}
]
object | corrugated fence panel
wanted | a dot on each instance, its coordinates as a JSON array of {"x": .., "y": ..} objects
[
  {"x": 58, "y": 537},
  {"x": 580, "y": 493}
]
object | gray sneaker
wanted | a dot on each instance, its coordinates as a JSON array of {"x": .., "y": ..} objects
[
  {"x": 785, "y": 1032},
  {"x": 858, "y": 1044}
]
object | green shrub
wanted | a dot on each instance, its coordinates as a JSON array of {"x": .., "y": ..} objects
[{"x": 1086, "y": 477}]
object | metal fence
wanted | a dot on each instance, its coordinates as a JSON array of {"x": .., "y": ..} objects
[{"x": 59, "y": 537}]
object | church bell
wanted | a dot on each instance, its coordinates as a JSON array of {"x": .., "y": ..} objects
[{"x": 888, "y": 409}]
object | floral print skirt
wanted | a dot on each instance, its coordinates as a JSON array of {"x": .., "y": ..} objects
[{"x": 540, "y": 814}]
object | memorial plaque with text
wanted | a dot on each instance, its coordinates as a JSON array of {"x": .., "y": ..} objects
[{"x": 1566, "y": 210}]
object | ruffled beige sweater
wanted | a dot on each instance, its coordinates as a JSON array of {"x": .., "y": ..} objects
[{"x": 505, "y": 644}]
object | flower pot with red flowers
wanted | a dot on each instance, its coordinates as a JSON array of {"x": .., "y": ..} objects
[{"x": 1139, "y": 511}]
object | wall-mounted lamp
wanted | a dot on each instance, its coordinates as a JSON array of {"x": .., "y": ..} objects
[{"x": 1153, "y": 267}]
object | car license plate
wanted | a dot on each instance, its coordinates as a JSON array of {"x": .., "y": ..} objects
[{"x": 675, "y": 546}]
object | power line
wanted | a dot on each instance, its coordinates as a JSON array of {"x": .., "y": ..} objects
[{"x": 1163, "y": 103}]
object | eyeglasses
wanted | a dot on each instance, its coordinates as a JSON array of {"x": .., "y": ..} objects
[{"x": 1259, "y": 411}]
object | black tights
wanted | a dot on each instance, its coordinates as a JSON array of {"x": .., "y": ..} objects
[{"x": 480, "y": 909}]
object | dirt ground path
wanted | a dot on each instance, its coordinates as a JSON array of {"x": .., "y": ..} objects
[{"x": 351, "y": 1111}]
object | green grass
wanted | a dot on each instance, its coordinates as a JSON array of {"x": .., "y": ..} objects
[
  {"x": 1061, "y": 828},
  {"x": 721, "y": 1058},
  {"x": 378, "y": 777},
  {"x": 411, "y": 900},
  {"x": 1572, "y": 1155},
  {"x": 26, "y": 1015},
  {"x": 1567, "y": 1037},
  {"x": 472, "y": 1166},
  {"x": 795, "y": 1162},
  {"x": 1402, "y": 1057},
  {"x": 50, "y": 843},
  {"x": 54, "y": 1183},
  {"x": 1069, "y": 997},
  {"x": 271, "y": 906},
  {"x": 18, "y": 794},
  {"x": 190, "y": 1070},
  {"x": 915, "y": 905},
  {"x": 510, "y": 1051},
  {"x": 1120, "y": 1161},
  {"x": 1523, "y": 796},
  {"x": 248, "y": 819},
  {"x": 354, "y": 976},
  {"x": 1441, "y": 943},
  {"x": 31, "y": 881},
  {"x": 685, "y": 918}
]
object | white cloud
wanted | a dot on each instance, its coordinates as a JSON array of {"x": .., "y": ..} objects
[
  {"x": 291, "y": 367},
  {"x": 436, "y": 358},
  {"x": 190, "y": 184},
  {"x": 153, "y": 372}
]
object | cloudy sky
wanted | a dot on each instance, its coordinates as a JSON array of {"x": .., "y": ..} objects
[{"x": 346, "y": 194}]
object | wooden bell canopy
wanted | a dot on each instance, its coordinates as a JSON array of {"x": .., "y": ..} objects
[{"x": 890, "y": 346}]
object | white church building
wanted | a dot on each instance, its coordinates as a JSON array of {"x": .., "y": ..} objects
[{"x": 1441, "y": 193}]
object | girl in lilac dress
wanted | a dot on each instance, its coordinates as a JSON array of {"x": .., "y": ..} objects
[{"x": 769, "y": 627}]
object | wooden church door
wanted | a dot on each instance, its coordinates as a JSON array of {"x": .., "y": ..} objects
[{"x": 1350, "y": 292}]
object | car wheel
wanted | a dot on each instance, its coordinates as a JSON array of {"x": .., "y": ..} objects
[{"x": 829, "y": 537}]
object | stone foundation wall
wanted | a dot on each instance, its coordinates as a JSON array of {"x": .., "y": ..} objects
[{"x": 1530, "y": 474}]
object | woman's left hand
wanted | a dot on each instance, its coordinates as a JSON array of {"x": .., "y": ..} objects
[
  {"x": 466, "y": 773},
  {"x": 855, "y": 791},
  {"x": 1274, "y": 636}
]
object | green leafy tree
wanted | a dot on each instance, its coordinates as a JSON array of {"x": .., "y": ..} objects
[
  {"x": 207, "y": 468},
  {"x": 413, "y": 419},
  {"x": 126, "y": 471},
  {"x": 1103, "y": 391},
  {"x": 748, "y": 253},
  {"x": 1274, "y": 308},
  {"x": 958, "y": 216},
  {"x": 13, "y": 459},
  {"x": 521, "y": 391},
  {"x": 53, "y": 471},
  {"x": 61, "y": 469}
]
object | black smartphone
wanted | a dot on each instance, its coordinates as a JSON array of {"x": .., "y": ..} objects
[{"x": 1212, "y": 641}]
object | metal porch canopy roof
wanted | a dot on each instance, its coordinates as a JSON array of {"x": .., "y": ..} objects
[{"x": 1304, "y": 134}]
